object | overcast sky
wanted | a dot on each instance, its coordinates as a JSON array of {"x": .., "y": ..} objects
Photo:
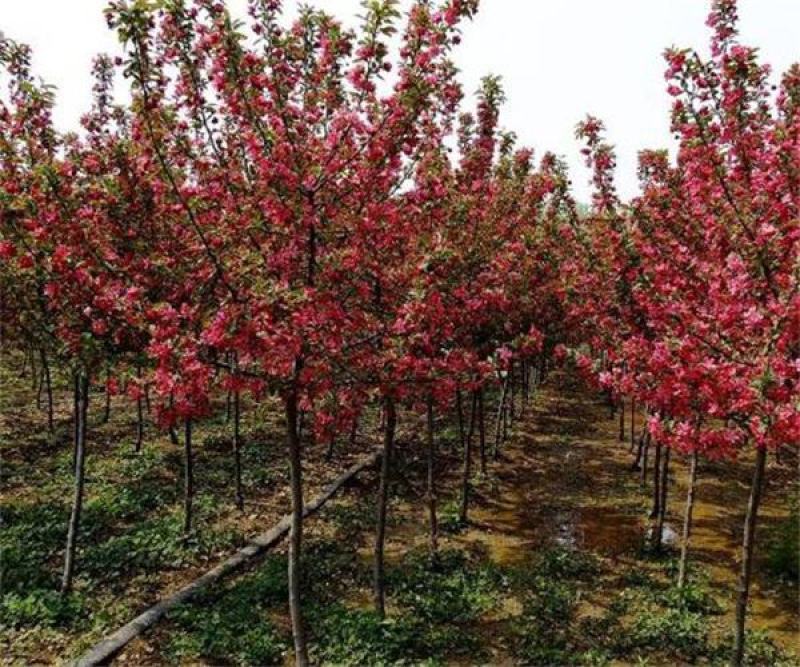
[{"x": 558, "y": 59}]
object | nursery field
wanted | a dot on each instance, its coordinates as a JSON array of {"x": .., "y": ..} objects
[
  {"x": 553, "y": 566},
  {"x": 306, "y": 359}
]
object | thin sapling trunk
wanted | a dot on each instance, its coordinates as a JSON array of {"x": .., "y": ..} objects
[
  {"x": 296, "y": 531},
  {"x": 434, "y": 524},
  {"x": 467, "y": 469},
  {"x": 81, "y": 389},
  {"x": 748, "y": 546},
  {"x": 687, "y": 520},
  {"x": 389, "y": 425}
]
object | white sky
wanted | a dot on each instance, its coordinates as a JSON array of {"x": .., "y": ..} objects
[{"x": 558, "y": 59}]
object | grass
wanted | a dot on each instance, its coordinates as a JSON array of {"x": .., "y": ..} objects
[
  {"x": 131, "y": 533},
  {"x": 560, "y": 606},
  {"x": 436, "y": 604},
  {"x": 234, "y": 625},
  {"x": 567, "y": 618}
]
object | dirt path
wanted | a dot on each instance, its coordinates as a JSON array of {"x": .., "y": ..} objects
[{"x": 565, "y": 479}]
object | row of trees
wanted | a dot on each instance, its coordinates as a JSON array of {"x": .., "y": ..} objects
[
  {"x": 277, "y": 211},
  {"x": 692, "y": 290},
  {"x": 274, "y": 214}
]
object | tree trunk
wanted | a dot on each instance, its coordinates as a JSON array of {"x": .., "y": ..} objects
[
  {"x": 296, "y": 532},
  {"x": 301, "y": 423},
  {"x": 500, "y": 418},
  {"x": 622, "y": 420},
  {"x": 139, "y": 425},
  {"x": 658, "y": 534},
  {"x": 34, "y": 373},
  {"x": 24, "y": 370},
  {"x": 139, "y": 416},
  {"x": 633, "y": 423},
  {"x": 460, "y": 415},
  {"x": 173, "y": 433},
  {"x": 434, "y": 524},
  {"x": 748, "y": 544},
  {"x": 656, "y": 483},
  {"x": 637, "y": 461},
  {"x": 511, "y": 394},
  {"x": 48, "y": 385},
  {"x": 237, "y": 448},
  {"x": 506, "y": 409},
  {"x": 390, "y": 423},
  {"x": 40, "y": 388},
  {"x": 643, "y": 476},
  {"x": 354, "y": 432},
  {"x": 107, "y": 406},
  {"x": 81, "y": 403},
  {"x": 482, "y": 431},
  {"x": 188, "y": 479},
  {"x": 687, "y": 520},
  {"x": 76, "y": 417},
  {"x": 467, "y": 473}
]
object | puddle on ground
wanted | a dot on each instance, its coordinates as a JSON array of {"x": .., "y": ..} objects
[{"x": 604, "y": 530}]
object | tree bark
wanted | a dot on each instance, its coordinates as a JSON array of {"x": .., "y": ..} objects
[
  {"x": 511, "y": 394},
  {"x": 379, "y": 588},
  {"x": 139, "y": 416},
  {"x": 645, "y": 453},
  {"x": 107, "y": 406},
  {"x": 48, "y": 385},
  {"x": 173, "y": 433},
  {"x": 76, "y": 418},
  {"x": 748, "y": 545},
  {"x": 188, "y": 479},
  {"x": 482, "y": 431},
  {"x": 81, "y": 405},
  {"x": 34, "y": 374},
  {"x": 687, "y": 520},
  {"x": 296, "y": 531},
  {"x": 622, "y": 420},
  {"x": 40, "y": 389},
  {"x": 637, "y": 461},
  {"x": 434, "y": 524},
  {"x": 499, "y": 423},
  {"x": 24, "y": 370},
  {"x": 237, "y": 448},
  {"x": 506, "y": 417},
  {"x": 467, "y": 472},
  {"x": 662, "y": 506},
  {"x": 460, "y": 416},
  {"x": 656, "y": 483}
]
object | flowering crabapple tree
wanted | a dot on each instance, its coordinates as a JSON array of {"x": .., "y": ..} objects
[
  {"x": 705, "y": 331},
  {"x": 279, "y": 160}
]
